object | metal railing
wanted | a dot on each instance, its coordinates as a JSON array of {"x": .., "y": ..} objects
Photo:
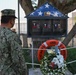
[{"x": 47, "y": 49}]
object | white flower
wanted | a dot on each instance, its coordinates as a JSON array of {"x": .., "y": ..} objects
[{"x": 49, "y": 71}]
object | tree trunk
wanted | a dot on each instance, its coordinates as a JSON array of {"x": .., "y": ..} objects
[
  {"x": 26, "y": 6},
  {"x": 70, "y": 35},
  {"x": 65, "y": 6}
]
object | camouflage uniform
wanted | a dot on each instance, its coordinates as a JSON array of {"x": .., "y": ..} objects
[{"x": 11, "y": 58}]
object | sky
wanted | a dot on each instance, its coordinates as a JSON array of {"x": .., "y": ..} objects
[{"x": 13, "y": 4}]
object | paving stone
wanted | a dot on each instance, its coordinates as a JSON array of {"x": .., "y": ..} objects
[{"x": 35, "y": 71}]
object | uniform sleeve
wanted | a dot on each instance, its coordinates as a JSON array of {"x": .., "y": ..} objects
[{"x": 17, "y": 56}]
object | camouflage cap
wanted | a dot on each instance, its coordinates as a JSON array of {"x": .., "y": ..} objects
[{"x": 8, "y": 12}]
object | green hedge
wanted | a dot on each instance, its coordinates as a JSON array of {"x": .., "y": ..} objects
[
  {"x": 28, "y": 57},
  {"x": 71, "y": 57}
]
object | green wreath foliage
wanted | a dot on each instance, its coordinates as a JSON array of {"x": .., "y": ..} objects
[{"x": 47, "y": 70}]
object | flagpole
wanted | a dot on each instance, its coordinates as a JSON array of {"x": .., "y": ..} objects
[{"x": 18, "y": 19}]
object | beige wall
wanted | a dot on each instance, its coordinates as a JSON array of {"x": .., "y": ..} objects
[
  {"x": 0, "y": 17},
  {"x": 71, "y": 22}
]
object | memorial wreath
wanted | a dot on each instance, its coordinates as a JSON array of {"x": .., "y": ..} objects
[{"x": 53, "y": 64}]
